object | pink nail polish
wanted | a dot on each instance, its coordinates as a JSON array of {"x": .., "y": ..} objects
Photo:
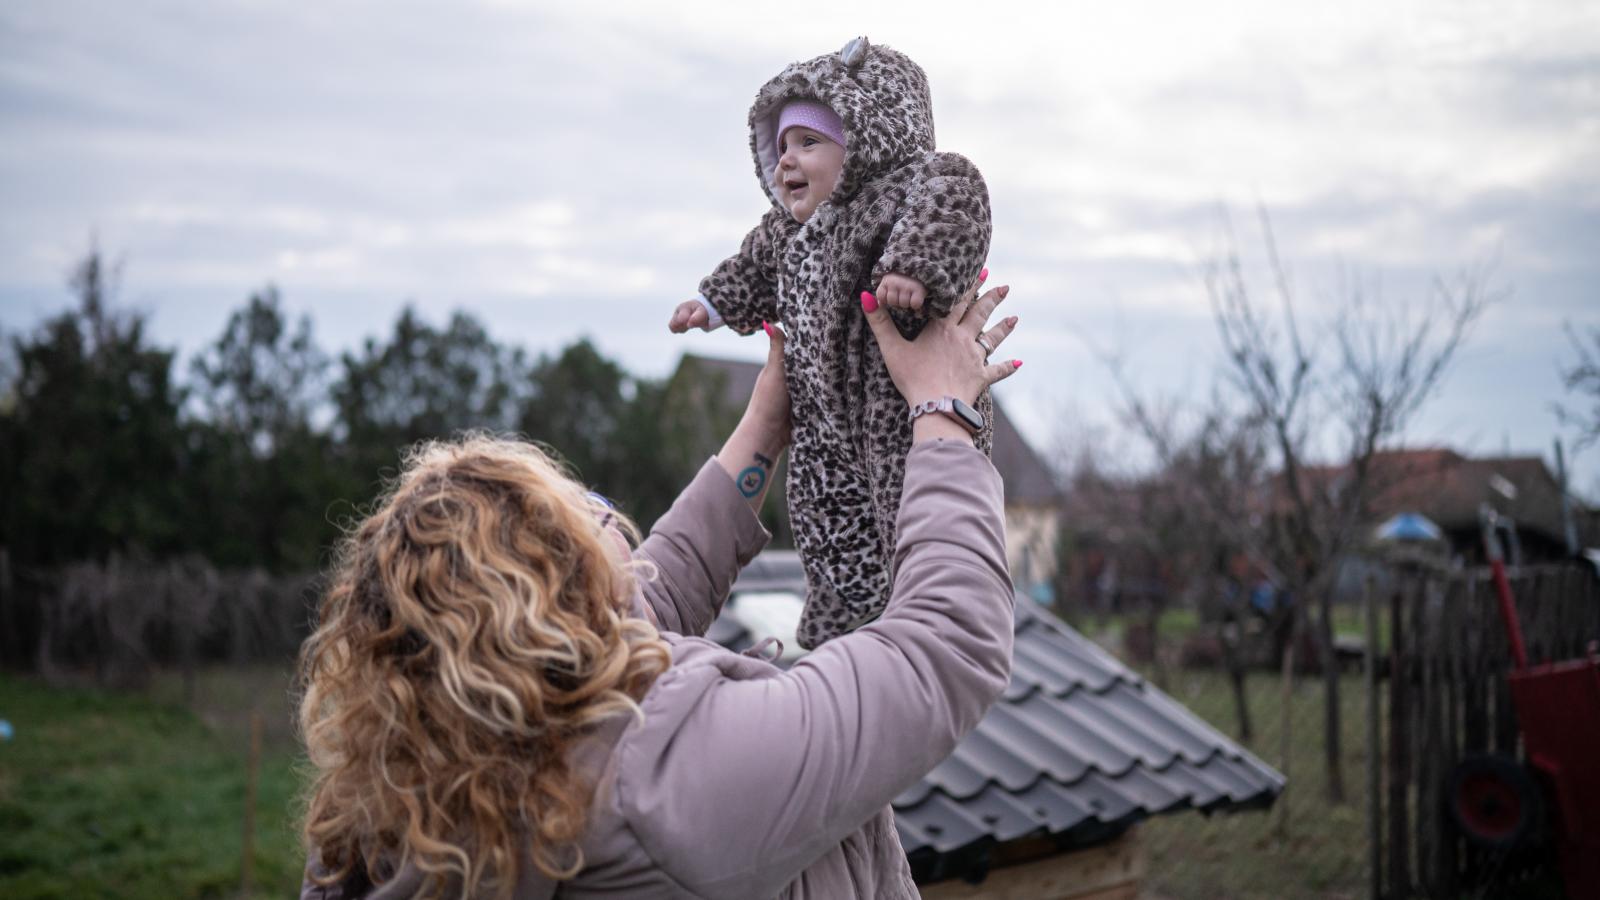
[
  {"x": 869, "y": 302},
  {"x": 1016, "y": 364},
  {"x": 765, "y": 327},
  {"x": 984, "y": 275}
]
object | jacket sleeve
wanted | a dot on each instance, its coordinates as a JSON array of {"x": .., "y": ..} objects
[
  {"x": 761, "y": 777},
  {"x": 697, "y": 550},
  {"x": 744, "y": 287},
  {"x": 941, "y": 238}
]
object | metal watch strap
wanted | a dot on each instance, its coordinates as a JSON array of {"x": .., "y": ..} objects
[{"x": 945, "y": 406}]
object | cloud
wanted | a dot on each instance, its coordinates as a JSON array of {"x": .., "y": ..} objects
[{"x": 562, "y": 169}]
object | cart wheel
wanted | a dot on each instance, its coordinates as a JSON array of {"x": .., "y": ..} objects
[{"x": 1494, "y": 801}]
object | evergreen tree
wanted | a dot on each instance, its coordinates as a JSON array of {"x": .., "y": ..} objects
[
  {"x": 261, "y": 473},
  {"x": 90, "y": 439},
  {"x": 605, "y": 424},
  {"x": 423, "y": 383}
]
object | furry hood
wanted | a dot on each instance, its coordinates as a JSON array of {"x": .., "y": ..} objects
[{"x": 881, "y": 95}]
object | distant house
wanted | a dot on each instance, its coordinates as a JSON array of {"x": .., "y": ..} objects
[
  {"x": 1449, "y": 489},
  {"x": 1033, "y": 511},
  {"x": 1044, "y": 798},
  {"x": 707, "y": 395}
]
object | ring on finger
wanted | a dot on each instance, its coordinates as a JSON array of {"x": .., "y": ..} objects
[{"x": 983, "y": 341}]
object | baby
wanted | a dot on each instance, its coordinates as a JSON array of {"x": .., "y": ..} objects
[{"x": 844, "y": 148}]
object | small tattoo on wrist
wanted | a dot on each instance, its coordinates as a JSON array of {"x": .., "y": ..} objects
[
  {"x": 763, "y": 460},
  {"x": 752, "y": 480}
]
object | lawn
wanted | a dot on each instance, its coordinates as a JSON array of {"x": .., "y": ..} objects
[
  {"x": 1319, "y": 851},
  {"x": 126, "y": 796},
  {"x": 118, "y": 795},
  {"x": 121, "y": 795},
  {"x": 1174, "y": 624}
]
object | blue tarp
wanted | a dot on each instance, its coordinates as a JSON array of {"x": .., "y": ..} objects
[{"x": 1408, "y": 527}]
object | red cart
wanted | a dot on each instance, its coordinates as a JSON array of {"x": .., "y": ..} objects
[{"x": 1558, "y": 712}]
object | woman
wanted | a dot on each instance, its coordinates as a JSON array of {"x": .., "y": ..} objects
[{"x": 500, "y": 701}]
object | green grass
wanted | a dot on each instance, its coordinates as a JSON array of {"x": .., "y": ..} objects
[
  {"x": 1177, "y": 623},
  {"x": 1174, "y": 624},
  {"x": 1320, "y": 851},
  {"x": 1350, "y": 621},
  {"x": 116, "y": 795}
]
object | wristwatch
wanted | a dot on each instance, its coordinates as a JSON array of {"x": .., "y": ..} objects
[{"x": 966, "y": 416}]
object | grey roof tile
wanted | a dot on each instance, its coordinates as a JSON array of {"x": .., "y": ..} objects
[
  {"x": 1107, "y": 801},
  {"x": 1074, "y": 729},
  {"x": 1078, "y": 747},
  {"x": 1210, "y": 785},
  {"x": 944, "y": 825},
  {"x": 996, "y": 757},
  {"x": 1036, "y": 748},
  {"x": 1123, "y": 713},
  {"x": 1006, "y": 815},
  {"x": 1057, "y": 669}
]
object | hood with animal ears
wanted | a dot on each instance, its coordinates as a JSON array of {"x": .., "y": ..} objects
[{"x": 881, "y": 95}]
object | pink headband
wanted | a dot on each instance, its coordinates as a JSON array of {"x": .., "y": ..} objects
[{"x": 809, "y": 114}]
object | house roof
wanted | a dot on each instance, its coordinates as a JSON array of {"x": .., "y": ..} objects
[
  {"x": 737, "y": 377},
  {"x": 1448, "y": 488},
  {"x": 1028, "y": 480},
  {"x": 1078, "y": 748}
]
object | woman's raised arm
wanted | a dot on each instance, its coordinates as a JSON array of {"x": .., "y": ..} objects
[
  {"x": 738, "y": 792},
  {"x": 712, "y": 530}
]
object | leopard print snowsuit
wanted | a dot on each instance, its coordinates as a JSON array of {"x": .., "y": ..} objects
[{"x": 899, "y": 207}]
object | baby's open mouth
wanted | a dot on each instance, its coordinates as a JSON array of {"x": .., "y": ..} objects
[{"x": 795, "y": 186}]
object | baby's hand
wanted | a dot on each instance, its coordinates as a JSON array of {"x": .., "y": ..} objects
[
  {"x": 901, "y": 292},
  {"x": 689, "y": 314}
]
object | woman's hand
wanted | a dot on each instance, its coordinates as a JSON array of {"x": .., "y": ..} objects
[
  {"x": 769, "y": 407},
  {"x": 751, "y": 454},
  {"x": 946, "y": 358}
]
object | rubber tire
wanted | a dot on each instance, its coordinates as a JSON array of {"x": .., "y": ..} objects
[{"x": 1494, "y": 781}]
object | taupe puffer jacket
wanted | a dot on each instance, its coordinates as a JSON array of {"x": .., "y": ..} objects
[{"x": 744, "y": 781}]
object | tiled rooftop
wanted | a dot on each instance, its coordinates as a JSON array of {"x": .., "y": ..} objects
[{"x": 1077, "y": 749}]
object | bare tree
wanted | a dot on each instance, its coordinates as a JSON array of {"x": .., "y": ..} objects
[
  {"x": 1278, "y": 468},
  {"x": 1582, "y": 379},
  {"x": 1385, "y": 362},
  {"x": 1199, "y": 506}
]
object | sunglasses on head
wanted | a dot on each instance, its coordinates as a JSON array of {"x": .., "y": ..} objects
[{"x": 610, "y": 505}]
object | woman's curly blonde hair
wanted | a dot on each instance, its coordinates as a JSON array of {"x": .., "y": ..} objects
[{"x": 475, "y": 627}]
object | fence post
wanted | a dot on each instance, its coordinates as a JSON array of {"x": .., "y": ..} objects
[
  {"x": 1450, "y": 635},
  {"x": 10, "y": 635},
  {"x": 1399, "y": 741},
  {"x": 247, "y": 846},
  {"x": 1374, "y": 824},
  {"x": 1286, "y": 721},
  {"x": 1429, "y": 774}
]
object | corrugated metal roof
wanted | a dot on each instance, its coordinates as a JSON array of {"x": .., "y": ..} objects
[{"x": 1078, "y": 748}]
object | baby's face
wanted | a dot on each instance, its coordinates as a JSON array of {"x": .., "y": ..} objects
[{"x": 809, "y": 164}]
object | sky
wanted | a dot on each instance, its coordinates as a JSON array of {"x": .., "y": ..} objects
[{"x": 567, "y": 170}]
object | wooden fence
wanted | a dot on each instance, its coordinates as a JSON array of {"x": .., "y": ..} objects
[
  {"x": 1449, "y": 648},
  {"x": 121, "y": 619}
]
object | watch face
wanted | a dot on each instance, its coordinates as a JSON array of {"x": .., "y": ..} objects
[{"x": 968, "y": 415}]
